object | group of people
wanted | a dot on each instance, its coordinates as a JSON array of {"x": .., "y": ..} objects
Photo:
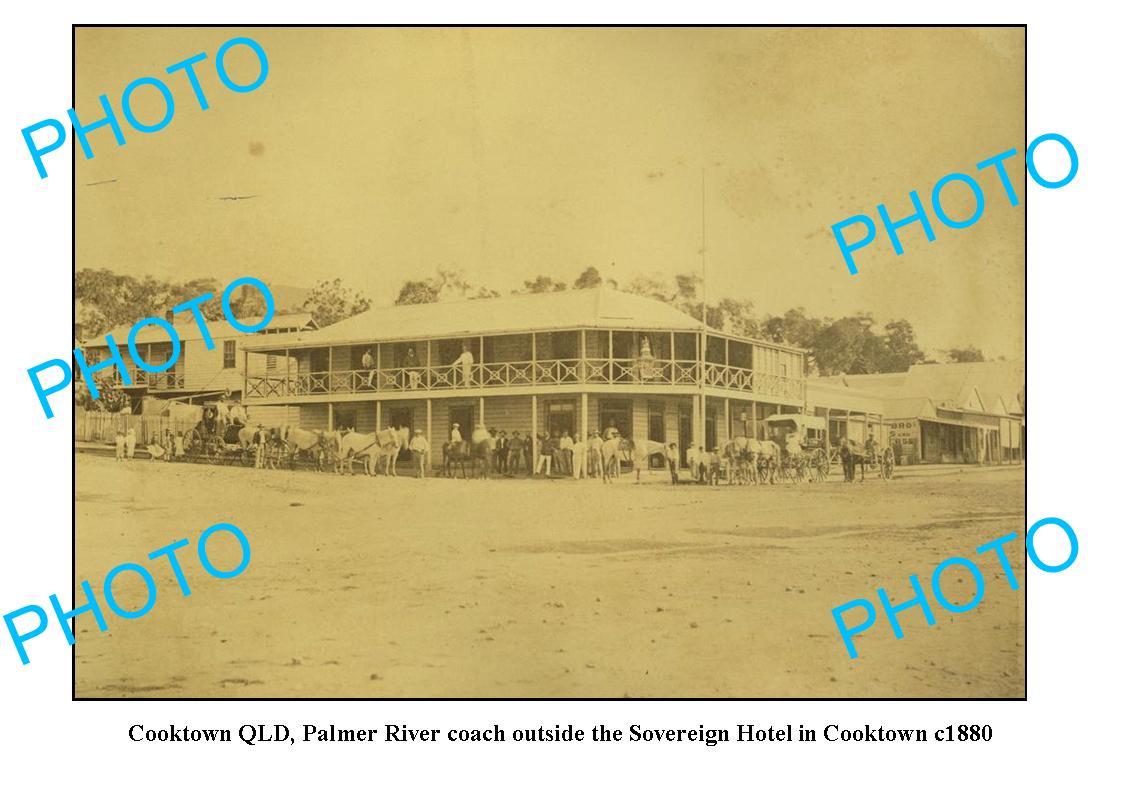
[
  {"x": 462, "y": 368},
  {"x": 125, "y": 443},
  {"x": 559, "y": 453}
]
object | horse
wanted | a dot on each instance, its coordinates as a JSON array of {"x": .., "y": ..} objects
[
  {"x": 298, "y": 440},
  {"x": 371, "y": 448},
  {"x": 347, "y": 445},
  {"x": 483, "y": 451},
  {"x": 739, "y": 455},
  {"x": 454, "y": 454},
  {"x": 611, "y": 453},
  {"x": 766, "y": 454},
  {"x": 641, "y": 450},
  {"x": 705, "y": 466},
  {"x": 478, "y": 452},
  {"x": 857, "y": 458},
  {"x": 389, "y": 446}
]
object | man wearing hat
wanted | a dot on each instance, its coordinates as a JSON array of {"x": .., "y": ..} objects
[
  {"x": 502, "y": 450},
  {"x": 596, "y": 467},
  {"x": 259, "y": 447},
  {"x": 419, "y": 446},
  {"x": 454, "y": 437},
  {"x": 515, "y": 454}
]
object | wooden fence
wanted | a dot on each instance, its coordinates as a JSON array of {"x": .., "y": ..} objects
[{"x": 103, "y": 426}]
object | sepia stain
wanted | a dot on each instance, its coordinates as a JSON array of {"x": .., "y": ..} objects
[{"x": 257, "y": 148}]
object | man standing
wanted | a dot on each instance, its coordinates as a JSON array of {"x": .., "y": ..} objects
[
  {"x": 119, "y": 442},
  {"x": 259, "y": 447},
  {"x": 579, "y": 458},
  {"x": 595, "y": 444},
  {"x": 502, "y": 449},
  {"x": 545, "y": 455},
  {"x": 672, "y": 461},
  {"x": 368, "y": 366},
  {"x": 419, "y": 447},
  {"x": 514, "y": 455},
  {"x": 411, "y": 369},
  {"x": 130, "y": 442},
  {"x": 465, "y": 361},
  {"x": 566, "y": 447}
]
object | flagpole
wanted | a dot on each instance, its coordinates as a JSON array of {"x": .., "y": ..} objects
[{"x": 702, "y": 353}]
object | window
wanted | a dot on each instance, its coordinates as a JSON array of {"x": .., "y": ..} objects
[
  {"x": 560, "y": 416},
  {"x": 270, "y": 362},
  {"x": 228, "y": 353}
]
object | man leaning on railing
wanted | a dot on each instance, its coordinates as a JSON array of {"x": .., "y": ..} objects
[{"x": 465, "y": 361}]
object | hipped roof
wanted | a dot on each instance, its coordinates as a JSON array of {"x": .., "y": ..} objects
[{"x": 595, "y": 308}]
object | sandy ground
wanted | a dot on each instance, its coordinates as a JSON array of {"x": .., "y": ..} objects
[{"x": 406, "y": 588}]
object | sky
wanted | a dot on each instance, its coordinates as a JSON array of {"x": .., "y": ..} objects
[{"x": 379, "y": 155}]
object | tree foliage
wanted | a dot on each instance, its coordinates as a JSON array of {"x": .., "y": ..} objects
[
  {"x": 330, "y": 301},
  {"x": 110, "y": 398},
  {"x": 968, "y": 354},
  {"x": 104, "y": 300},
  {"x": 448, "y": 284}
]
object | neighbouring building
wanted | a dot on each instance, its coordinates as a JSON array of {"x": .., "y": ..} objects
[
  {"x": 575, "y": 361},
  {"x": 199, "y": 373},
  {"x": 971, "y": 412}
]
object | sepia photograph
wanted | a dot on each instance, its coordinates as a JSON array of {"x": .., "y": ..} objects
[{"x": 529, "y": 362}]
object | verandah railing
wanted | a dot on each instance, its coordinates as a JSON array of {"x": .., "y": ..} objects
[
  {"x": 516, "y": 374},
  {"x": 168, "y": 380}
]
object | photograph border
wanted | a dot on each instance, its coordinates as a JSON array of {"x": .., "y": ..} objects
[{"x": 73, "y": 466}]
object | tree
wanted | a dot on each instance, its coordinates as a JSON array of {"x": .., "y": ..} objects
[
  {"x": 841, "y": 346},
  {"x": 248, "y": 304},
  {"x": 901, "y": 351},
  {"x": 737, "y": 317},
  {"x": 104, "y": 300},
  {"x": 968, "y": 354},
  {"x": 110, "y": 398},
  {"x": 447, "y": 284},
  {"x": 590, "y": 277},
  {"x": 543, "y": 284},
  {"x": 418, "y": 291},
  {"x": 331, "y": 302}
]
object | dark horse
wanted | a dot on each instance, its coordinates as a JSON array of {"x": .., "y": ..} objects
[
  {"x": 851, "y": 457},
  {"x": 478, "y": 454}
]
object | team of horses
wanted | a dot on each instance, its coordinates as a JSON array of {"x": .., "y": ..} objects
[{"x": 740, "y": 460}]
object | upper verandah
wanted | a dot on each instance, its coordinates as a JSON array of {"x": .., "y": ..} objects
[{"x": 595, "y": 308}]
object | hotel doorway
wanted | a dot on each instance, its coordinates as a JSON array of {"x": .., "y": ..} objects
[
  {"x": 463, "y": 415},
  {"x": 616, "y": 413}
]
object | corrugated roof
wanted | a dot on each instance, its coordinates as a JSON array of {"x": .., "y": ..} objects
[
  {"x": 909, "y": 407},
  {"x": 953, "y": 385},
  {"x": 189, "y": 330},
  {"x": 949, "y": 381},
  {"x": 596, "y": 308},
  {"x": 832, "y": 393}
]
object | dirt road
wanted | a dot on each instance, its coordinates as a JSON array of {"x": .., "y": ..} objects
[{"x": 407, "y": 588}]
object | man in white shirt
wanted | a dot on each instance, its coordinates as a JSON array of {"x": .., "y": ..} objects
[
  {"x": 566, "y": 448},
  {"x": 419, "y": 446},
  {"x": 579, "y": 457},
  {"x": 465, "y": 361}
]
